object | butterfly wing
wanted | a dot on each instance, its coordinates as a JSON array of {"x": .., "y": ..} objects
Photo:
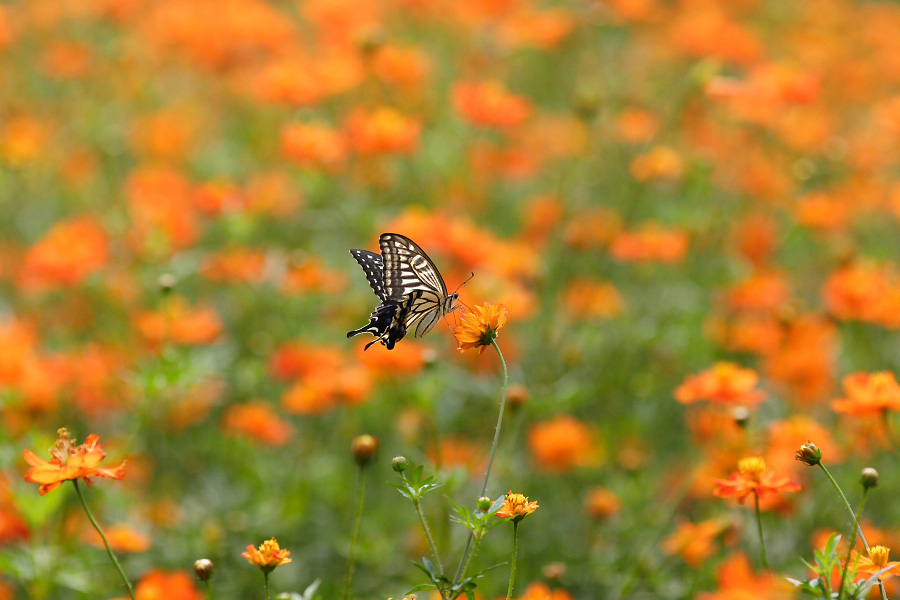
[
  {"x": 373, "y": 266},
  {"x": 407, "y": 269}
]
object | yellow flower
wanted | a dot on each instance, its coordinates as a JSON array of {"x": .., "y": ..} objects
[
  {"x": 479, "y": 327},
  {"x": 268, "y": 556},
  {"x": 517, "y": 506}
]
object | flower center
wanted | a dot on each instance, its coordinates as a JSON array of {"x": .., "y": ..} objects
[
  {"x": 879, "y": 555},
  {"x": 752, "y": 467}
]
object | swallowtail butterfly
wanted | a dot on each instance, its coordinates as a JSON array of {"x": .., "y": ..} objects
[{"x": 411, "y": 290}]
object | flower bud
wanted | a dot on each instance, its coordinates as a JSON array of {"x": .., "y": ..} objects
[
  {"x": 741, "y": 415},
  {"x": 517, "y": 395},
  {"x": 364, "y": 448},
  {"x": 484, "y": 503},
  {"x": 399, "y": 463},
  {"x": 166, "y": 282},
  {"x": 554, "y": 572},
  {"x": 869, "y": 477},
  {"x": 203, "y": 568},
  {"x": 809, "y": 454}
]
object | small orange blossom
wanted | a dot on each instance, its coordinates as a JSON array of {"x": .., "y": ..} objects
[
  {"x": 753, "y": 478},
  {"x": 268, "y": 556},
  {"x": 69, "y": 462},
  {"x": 479, "y": 327}
]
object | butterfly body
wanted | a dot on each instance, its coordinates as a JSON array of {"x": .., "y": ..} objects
[{"x": 410, "y": 287}]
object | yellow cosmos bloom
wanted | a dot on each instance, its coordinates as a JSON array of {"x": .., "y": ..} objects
[
  {"x": 479, "y": 327},
  {"x": 268, "y": 556},
  {"x": 517, "y": 506}
]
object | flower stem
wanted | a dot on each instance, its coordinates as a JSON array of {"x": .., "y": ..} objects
[
  {"x": 266, "y": 579},
  {"x": 762, "y": 540},
  {"x": 852, "y": 545},
  {"x": 471, "y": 554},
  {"x": 853, "y": 517},
  {"x": 434, "y": 550},
  {"x": 357, "y": 526},
  {"x": 109, "y": 551},
  {"x": 512, "y": 567},
  {"x": 487, "y": 473},
  {"x": 208, "y": 590}
]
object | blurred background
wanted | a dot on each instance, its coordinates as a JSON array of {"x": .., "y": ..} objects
[{"x": 650, "y": 187}]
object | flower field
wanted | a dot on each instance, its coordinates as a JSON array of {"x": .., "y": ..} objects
[{"x": 670, "y": 372}]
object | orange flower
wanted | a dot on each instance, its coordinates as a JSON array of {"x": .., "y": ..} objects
[
  {"x": 869, "y": 394},
  {"x": 404, "y": 67},
  {"x": 479, "y": 328},
  {"x": 382, "y": 131},
  {"x": 517, "y": 506},
  {"x": 66, "y": 60},
  {"x": 737, "y": 581},
  {"x": 121, "y": 538},
  {"x": 160, "y": 205},
  {"x": 650, "y": 243},
  {"x": 601, "y": 503},
  {"x": 22, "y": 140},
  {"x": 661, "y": 162},
  {"x": 66, "y": 255},
  {"x": 753, "y": 478},
  {"x": 268, "y": 556},
  {"x": 693, "y": 542},
  {"x": 172, "y": 585},
  {"x": 165, "y": 135},
  {"x": 490, "y": 105},
  {"x": 540, "y": 591},
  {"x": 562, "y": 443},
  {"x": 854, "y": 291},
  {"x": 587, "y": 299},
  {"x": 875, "y": 562},
  {"x": 180, "y": 323},
  {"x": 69, "y": 462},
  {"x": 234, "y": 265},
  {"x": 258, "y": 422},
  {"x": 725, "y": 383},
  {"x": 636, "y": 126},
  {"x": 313, "y": 145}
]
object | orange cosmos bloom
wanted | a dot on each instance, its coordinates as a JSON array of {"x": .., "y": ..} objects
[
  {"x": 650, "y": 243},
  {"x": 268, "y": 556},
  {"x": 636, "y": 126},
  {"x": 68, "y": 253},
  {"x": 159, "y": 201},
  {"x": 562, "y": 444},
  {"x": 69, "y": 462},
  {"x": 22, "y": 140},
  {"x": 382, "y": 131},
  {"x": 588, "y": 299},
  {"x": 602, "y": 503},
  {"x": 66, "y": 60},
  {"x": 313, "y": 145},
  {"x": 479, "y": 327},
  {"x": 869, "y": 394},
  {"x": 544, "y": 29},
  {"x": 761, "y": 291},
  {"x": 239, "y": 265},
  {"x": 875, "y": 562},
  {"x": 258, "y": 422},
  {"x": 737, "y": 581},
  {"x": 490, "y": 105},
  {"x": 121, "y": 538},
  {"x": 166, "y": 135},
  {"x": 725, "y": 383},
  {"x": 753, "y": 478},
  {"x": 855, "y": 291},
  {"x": 541, "y": 591},
  {"x": 661, "y": 162},
  {"x": 404, "y": 67},
  {"x": 172, "y": 585},
  {"x": 180, "y": 323},
  {"x": 693, "y": 542},
  {"x": 517, "y": 506}
]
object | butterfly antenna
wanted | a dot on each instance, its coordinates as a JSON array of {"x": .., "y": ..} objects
[{"x": 464, "y": 282}]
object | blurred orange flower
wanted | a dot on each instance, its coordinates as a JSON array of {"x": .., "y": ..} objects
[
  {"x": 121, "y": 538},
  {"x": 164, "y": 135},
  {"x": 67, "y": 254},
  {"x": 761, "y": 291},
  {"x": 563, "y": 443},
  {"x": 490, "y": 105},
  {"x": 382, "y": 131},
  {"x": 66, "y": 60},
  {"x": 693, "y": 542},
  {"x": 869, "y": 394},
  {"x": 237, "y": 265},
  {"x": 313, "y": 145},
  {"x": 660, "y": 162},
  {"x": 601, "y": 503},
  {"x": 479, "y": 327},
  {"x": 22, "y": 140},
  {"x": 725, "y": 384},
  {"x": 256, "y": 421},
  {"x": 176, "y": 321},
  {"x": 162, "y": 214},
  {"x": 69, "y": 462},
  {"x": 853, "y": 292},
  {"x": 867, "y": 566},
  {"x": 636, "y": 126},
  {"x": 402, "y": 66},
  {"x": 545, "y": 29},
  {"x": 539, "y": 590},
  {"x": 752, "y": 477},
  {"x": 589, "y": 299},
  {"x": 737, "y": 580},
  {"x": 172, "y": 585},
  {"x": 650, "y": 243}
]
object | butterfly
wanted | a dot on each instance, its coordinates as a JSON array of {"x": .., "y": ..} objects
[{"x": 410, "y": 287}]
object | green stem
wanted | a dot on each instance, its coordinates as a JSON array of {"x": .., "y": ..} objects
[
  {"x": 889, "y": 431},
  {"x": 487, "y": 474},
  {"x": 762, "y": 540},
  {"x": 357, "y": 527},
  {"x": 266, "y": 579},
  {"x": 109, "y": 551},
  {"x": 208, "y": 590},
  {"x": 857, "y": 528},
  {"x": 434, "y": 550},
  {"x": 471, "y": 555},
  {"x": 512, "y": 567},
  {"x": 852, "y": 545}
]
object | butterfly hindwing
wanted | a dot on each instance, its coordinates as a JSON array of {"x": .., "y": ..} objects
[{"x": 373, "y": 266}]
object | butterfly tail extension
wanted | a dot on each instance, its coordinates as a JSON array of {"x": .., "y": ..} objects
[{"x": 379, "y": 321}]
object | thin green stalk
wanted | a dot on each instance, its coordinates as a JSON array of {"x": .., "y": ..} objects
[
  {"x": 357, "y": 527},
  {"x": 208, "y": 590},
  {"x": 471, "y": 555},
  {"x": 434, "y": 550},
  {"x": 515, "y": 554},
  {"x": 487, "y": 474},
  {"x": 852, "y": 545},
  {"x": 857, "y": 528},
  {"x": 109, "y": 551},
  {"x": 762, "y": 540},
  {"x": 266, "y": 579}
]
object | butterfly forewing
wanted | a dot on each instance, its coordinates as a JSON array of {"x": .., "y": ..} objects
[{"x": 407, "y": 268}]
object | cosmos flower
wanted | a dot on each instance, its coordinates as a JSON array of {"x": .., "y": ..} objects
[{"x": 69, "y": 462}]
